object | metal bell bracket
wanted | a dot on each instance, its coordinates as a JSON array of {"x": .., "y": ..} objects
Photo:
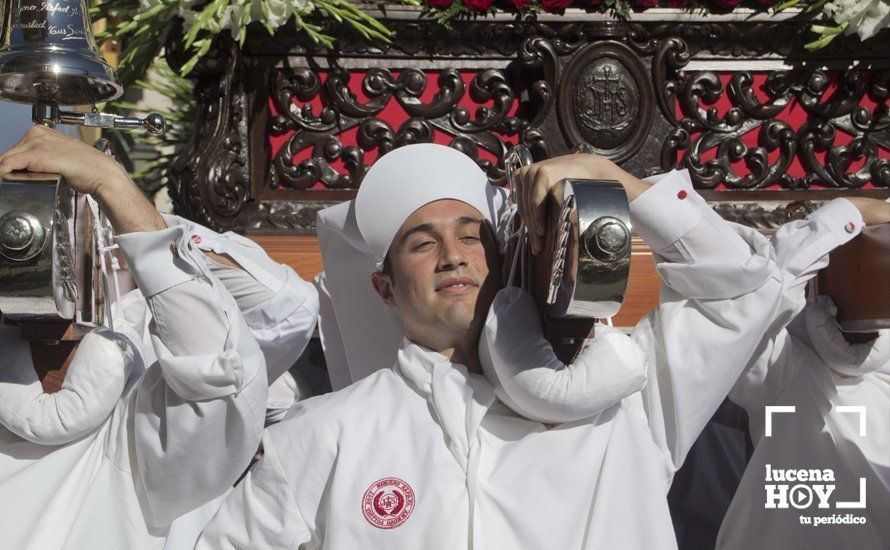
[{"x": 50, "y": 115}]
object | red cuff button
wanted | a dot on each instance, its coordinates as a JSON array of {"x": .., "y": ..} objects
[
  {"x": 850, "y": 227},
  {"x": 682, "y": 194},
  {"x": 196, "y": 239}
]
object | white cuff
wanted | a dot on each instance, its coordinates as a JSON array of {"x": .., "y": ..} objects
[
  {"x": 840, "y": 218},
  {"x": 667, "y": 211},
  {"x": 160, "y": 259}
]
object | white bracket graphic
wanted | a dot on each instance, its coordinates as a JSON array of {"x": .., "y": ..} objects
[
  {"x": 770, "y": 409},
  {"x": 858, "y": 504}
]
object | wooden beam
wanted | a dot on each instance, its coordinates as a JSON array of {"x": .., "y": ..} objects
[{"x": 301, "y": 253}]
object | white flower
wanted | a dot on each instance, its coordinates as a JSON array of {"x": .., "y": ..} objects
[
  {"x": 273, "y": 12},
  {"x": 864, "y": 17},
  {"x": 278, "y": 12}
]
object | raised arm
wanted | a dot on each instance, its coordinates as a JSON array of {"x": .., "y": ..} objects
[
  {"x": 280, "y": 308},
  {"x": 721, "y": 293},
  {"x": 802, "y": 249},
  {"x": 198, "y": 414}
]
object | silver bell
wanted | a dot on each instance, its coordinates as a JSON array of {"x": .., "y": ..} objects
[{"x": 48, "y": 53}]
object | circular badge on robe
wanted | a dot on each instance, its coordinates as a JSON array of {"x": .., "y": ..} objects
[{"x": 388, "y": 502}]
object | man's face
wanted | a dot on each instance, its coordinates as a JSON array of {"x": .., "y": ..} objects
[{"x": 443, "y": 273}]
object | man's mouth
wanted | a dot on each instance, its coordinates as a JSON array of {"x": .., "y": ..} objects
[{"x": 456, "y": 285}]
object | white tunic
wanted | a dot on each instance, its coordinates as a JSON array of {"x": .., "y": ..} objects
[
  {"x": 95, "y": 466},
  {"x": 807, "y": 367},
  {"x": 482, "y": 477}
]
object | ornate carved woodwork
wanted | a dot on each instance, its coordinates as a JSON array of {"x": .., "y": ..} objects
[{"x": 286, "y": 128}]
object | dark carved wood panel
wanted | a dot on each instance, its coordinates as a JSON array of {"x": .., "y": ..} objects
[
  {"x": 851, "y": 102},
  {"x": 444, "y": 117},
  {"x": 286, "y": 128}
]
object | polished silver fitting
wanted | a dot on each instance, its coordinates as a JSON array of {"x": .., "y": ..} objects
[
  {"x": 22, "y": 236},
  {"x": 49, "y": 114}
]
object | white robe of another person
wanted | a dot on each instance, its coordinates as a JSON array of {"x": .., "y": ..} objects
[
  {"x": 810, "y": 367},
  {"x": 483, "y": 477},
  {"x": 123, "y": 452}
]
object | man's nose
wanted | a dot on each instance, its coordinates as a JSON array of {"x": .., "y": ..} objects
[{"x": 451, "y": 256}]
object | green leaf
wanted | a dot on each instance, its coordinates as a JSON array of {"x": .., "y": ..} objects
[
  {"x": 203, "y": 48},
  {"x": 820, "y": 43},
  {"x": 785, "y": 5}
]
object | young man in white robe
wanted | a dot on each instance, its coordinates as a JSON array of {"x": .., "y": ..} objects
[
  {"x": 840, "y": 424},
  {"x": 155, "y": 421},
  {"x": 427, "y": 455}
]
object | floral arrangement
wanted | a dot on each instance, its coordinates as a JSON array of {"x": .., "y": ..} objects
[
  {"x": 862, "y": 17},
  {"x": 143, "y": 25}
]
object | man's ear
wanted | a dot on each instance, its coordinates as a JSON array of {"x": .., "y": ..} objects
[{"x": 383, "y": 285}]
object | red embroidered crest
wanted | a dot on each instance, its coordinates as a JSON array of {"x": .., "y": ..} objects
[{"x": 388, "y": 503}]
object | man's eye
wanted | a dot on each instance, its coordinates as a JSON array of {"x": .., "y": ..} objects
[
  {"x": 470, "y": 238},
  {"x": 424, "y": 245}
]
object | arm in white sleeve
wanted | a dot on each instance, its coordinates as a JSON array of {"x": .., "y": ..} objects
[
  {"x": 282, "y": 323},
  {"x": 721, "y": 292},
  {"x": 93, "y": 385},
  {"x": 531, "y": 380},
  {"x": 801, "y": 249},
  {"x": 528, "y": 376},
  {"x": 199, "y": 411},
  {"x": 280, "y": 308},
  {"x": 802, "y": 246}
]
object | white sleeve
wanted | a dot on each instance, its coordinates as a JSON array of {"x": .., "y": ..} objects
[
  {"x": 531, "y": 380},
  {"x": 721, "y": 292},
  {"x": 802, "y": 246},
  {"x": 280, "y": 308},
  {"x": 801, "y": 249},
  {"x": 285, "y": 322},
  {"x": 199, "y": 411},
  {"x": 92, "y": 387}
]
